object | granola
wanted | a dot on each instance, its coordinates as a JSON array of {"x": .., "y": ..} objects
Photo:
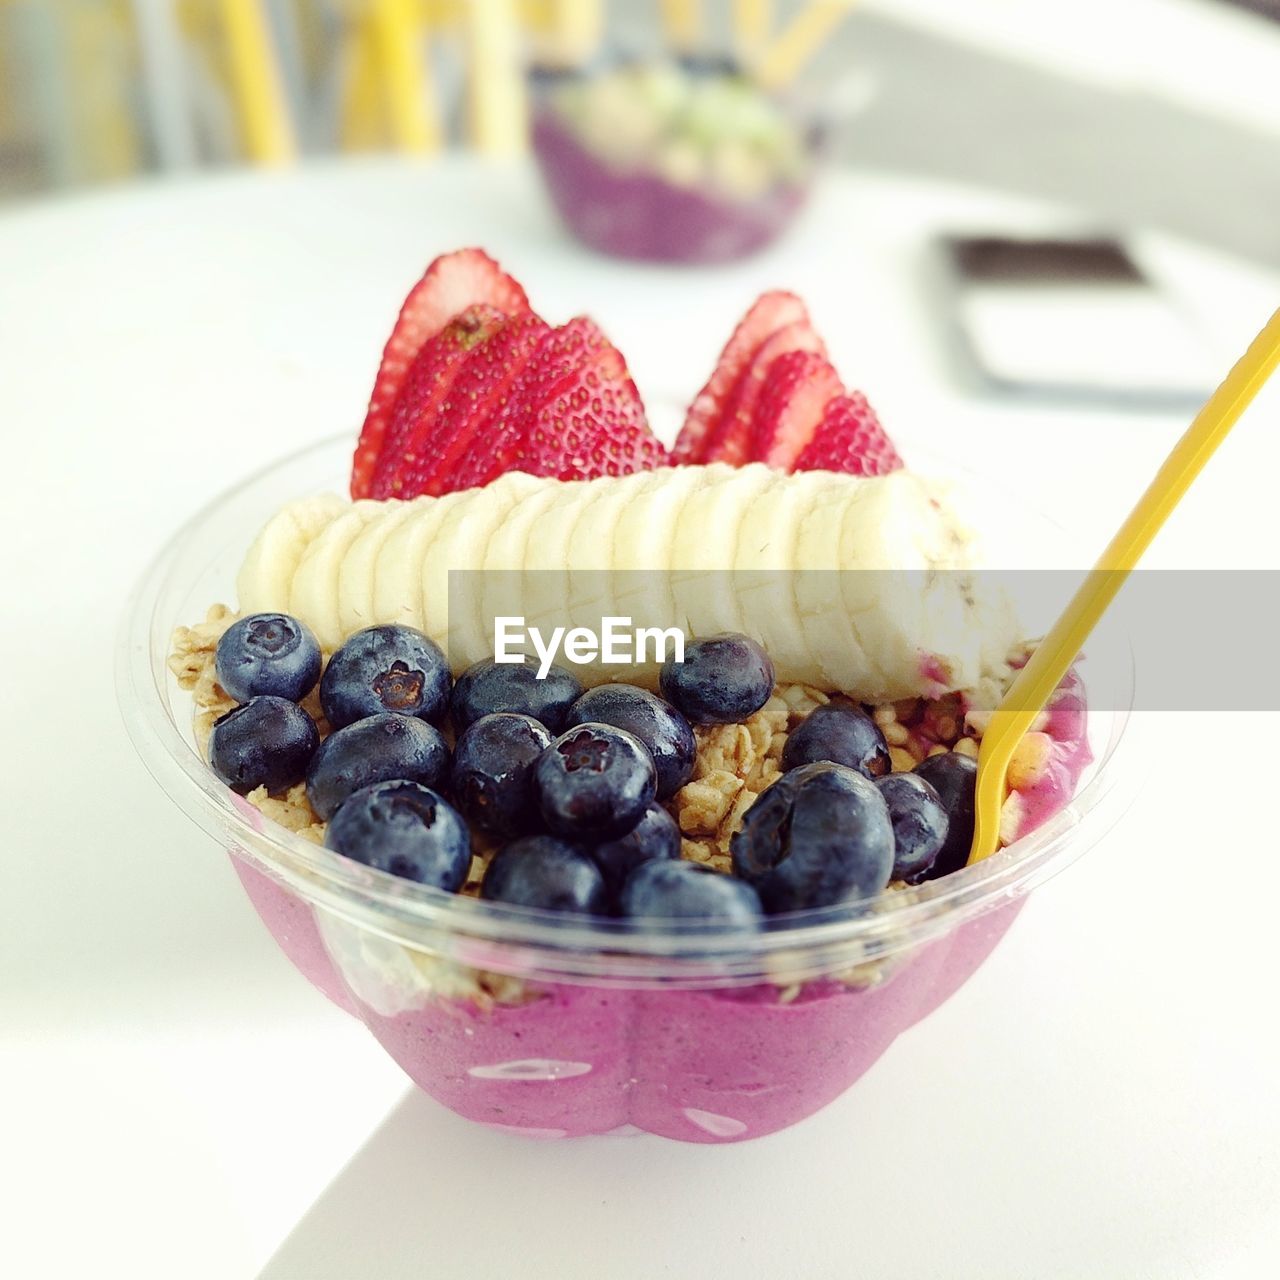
[{"x": 734, "y": 763}]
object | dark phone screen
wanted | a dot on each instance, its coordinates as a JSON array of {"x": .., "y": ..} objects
[{"x": 992, "y": 260}]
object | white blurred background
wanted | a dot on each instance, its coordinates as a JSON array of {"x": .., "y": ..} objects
[{"x": 1159, "y": 111}]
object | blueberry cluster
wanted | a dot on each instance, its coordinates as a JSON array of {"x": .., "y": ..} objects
[{"x": 569, "y": 783}]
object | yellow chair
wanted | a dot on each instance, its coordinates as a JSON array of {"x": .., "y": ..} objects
[
  {"x": 776, "y": 53},
  {"x": 389, "y": 91},
  {"x": 238, "y": 37}
]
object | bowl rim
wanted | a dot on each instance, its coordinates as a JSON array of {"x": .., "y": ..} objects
[{"x": 517, "y": 939}]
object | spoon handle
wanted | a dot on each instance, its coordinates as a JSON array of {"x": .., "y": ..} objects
[{"x": 1053, "y": 657}]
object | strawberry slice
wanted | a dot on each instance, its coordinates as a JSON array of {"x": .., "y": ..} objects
[
  {"x": 479, "y": 390},
  {"x": 593, "y": 425},
  {"x": 451, "y": 283},
  {"x": 850, "y": 439},
  {"x": 768, "y": 314},
  {"x": 796, "y": 391},
  {"x": 559, "y": 357},
  {"x": 573, "y": 413},
  {"x": 730, "y": 440},
  {"x": 410, "y": 432}
]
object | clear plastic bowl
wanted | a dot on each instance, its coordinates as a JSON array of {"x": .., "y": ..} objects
[{"x": 523, "y": 1022}]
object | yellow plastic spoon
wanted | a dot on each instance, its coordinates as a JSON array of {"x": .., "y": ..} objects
[{"x": 1053, "y": 657}]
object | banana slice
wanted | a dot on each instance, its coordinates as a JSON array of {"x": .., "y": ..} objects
[
  {"x": 592, "y": 547},
  {"x": 704, "y": 547},
  {"x": 916, "y": 606},
  {"x": 546, "y": 556},
  {"x": 266, "y": 575},
  {"x": 397, "y": 572},
  {"x": 504, "y": 577},
  {"x": 451, "y": 565},
  {"x": 644, "y": 544},
  {"x": 314, "y": 591},
  {"x": 835, "y": 659},
  {"x": 764, "y": 577},
  {"x": 357, "y": 571}
]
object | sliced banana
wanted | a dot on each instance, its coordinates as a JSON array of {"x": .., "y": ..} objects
[
  {"x": 593, "y": 548},
  {"x": 314, "y": 592},
  {"x": 266, "y": 576},
  {"x": 914, "y": 605},
  {"x": 763, "y": 566},
  {"x": 644, "y": 544},
  {"x": 356, "y": 573},
  {"x": 504, "y": 580},
  {"x": 546, "y": 555},
  {"x": 459, "y": 548},
  {"x": 829, "y": 637},
  {"x": 705, "y": 544},
  {"x": 397, "y": 572},
  {"x": 705, "y": 549}
]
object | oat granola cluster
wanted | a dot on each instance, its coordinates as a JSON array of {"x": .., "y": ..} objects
[{"x": 734, "y": 764}]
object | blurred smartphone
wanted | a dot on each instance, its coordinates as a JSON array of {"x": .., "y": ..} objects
[{"x": 1069, "y": 319}]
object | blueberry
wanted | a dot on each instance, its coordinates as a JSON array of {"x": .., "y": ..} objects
[
  {"x": 406, "y": 829},
  {"x": 382, "y": 748},
  {"x": 593, "y": 783},
  {"x": 389, "y": 668},
  {"x": 654, "y": 837},
  {"x": 688, "y": 891},
  {"x": 541, "y": 871},
  {"x": 842, "y": 734},
  {"x": 919, "y": 823},
  {"x": 493, "y": 772},
  {"x": 954, "y": 777},
  {"x": 265, "y": 742},
  {"x": 666, "y": 734},
  {"x": 723, "y": 679},
  {"x": 488, "y": 687},
  {"x": 818, "y": 837},
  {"x": 268, "y": 653}
]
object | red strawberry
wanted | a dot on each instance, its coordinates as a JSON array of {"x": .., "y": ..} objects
[
  {"x": 409, "y": 434},
  {"x": 593, "y": 426},
  {"x": 796, "y": 391},
  {"x": 850, "y": 439},
  {"x": 559, "y": 357},
  {"x": 769, "y": 313},
  {"x": 730, "y": 440},
  {"x": 460, "y": 421},
  {"x": 452, "y": 283}
]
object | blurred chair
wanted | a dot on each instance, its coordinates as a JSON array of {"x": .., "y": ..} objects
[
  {"x": 238, "y": 41},
  {"x": 776, "y": 51},
  {"x": 120, "y": 85},
  {"x": 73, "y": 60},
  {"x": 389, "y": 86},
  {"x": 115, "y": 85}
]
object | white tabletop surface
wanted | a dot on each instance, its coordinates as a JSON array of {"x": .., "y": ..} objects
[{"x": 1099, "y": 1100}]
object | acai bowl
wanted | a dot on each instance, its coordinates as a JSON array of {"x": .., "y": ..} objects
[
  {"x": 673, "y": 161},
  {"x": 553, "y": 1023}
]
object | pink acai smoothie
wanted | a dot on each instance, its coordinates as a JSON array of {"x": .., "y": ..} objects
[{"x": 715, "y": 1065}]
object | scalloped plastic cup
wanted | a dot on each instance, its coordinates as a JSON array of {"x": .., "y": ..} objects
[{"x": 571, "y": 1030}]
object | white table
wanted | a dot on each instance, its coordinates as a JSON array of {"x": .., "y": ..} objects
[{"x": 175, "y": 1099}]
